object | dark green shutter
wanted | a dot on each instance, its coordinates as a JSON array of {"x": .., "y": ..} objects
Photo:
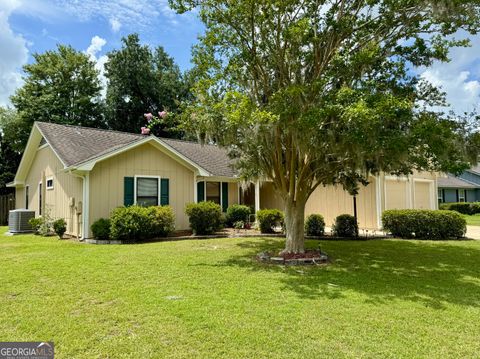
[
  {"x": 164, "y": 192},
  {"x": 128, "y": 199},
  {"x": 200, "y": 191},
  {"x": 224, "y": 196}
]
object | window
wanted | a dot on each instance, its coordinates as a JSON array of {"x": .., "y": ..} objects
[
  {"x": 462, "y": 195},
  {"x": 40, "y": 199},
  {"x": 26, "y": 196},
  {"x": 50, "y": 183},
  {"x": 213, "y": 192},
  {"x": 440, "y": 196},
  {"x": 147, "y": 191}
]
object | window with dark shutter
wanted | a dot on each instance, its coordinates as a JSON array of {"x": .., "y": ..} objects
[{"x": 147, "y": 191}]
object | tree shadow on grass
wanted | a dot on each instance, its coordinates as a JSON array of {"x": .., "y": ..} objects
[{"x": 431, "y": 273}]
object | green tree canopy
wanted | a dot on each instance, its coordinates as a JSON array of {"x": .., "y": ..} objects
[
  {"x": 140, "y": 81},
  {"x": 10, "y": 145},
  {"x": 61, "y": 86},
  {"x": 322, "y": 92}
]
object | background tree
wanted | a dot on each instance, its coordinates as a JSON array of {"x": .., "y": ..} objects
[
  {"x": 321, "y": 92},
  {"x": 61, "y": 86},
  {"x": 140, "y": 81},
  {"x": 10, "y": 147}
]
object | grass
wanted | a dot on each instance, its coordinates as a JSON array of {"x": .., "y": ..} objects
[
  {"x": 472, "y": 220},
  {"x": 208, "y": 299}
]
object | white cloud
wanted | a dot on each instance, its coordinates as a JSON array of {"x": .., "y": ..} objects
[
  {"x": 115, "y": 25},
  {"x": 14, "y": 53},
  {"x": 459, "y": 78},
  {"x": 96, "y": 45},
  {"x": 132, "y": 14}
]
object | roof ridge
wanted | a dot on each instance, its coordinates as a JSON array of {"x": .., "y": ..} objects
[{"x": 91, "y": 128}]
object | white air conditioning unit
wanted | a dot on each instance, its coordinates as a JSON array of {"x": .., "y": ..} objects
[{"x": 18, "y": 220}]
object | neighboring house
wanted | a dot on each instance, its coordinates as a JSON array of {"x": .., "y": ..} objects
[
  {"x": 82, "y": 174},
  {"x": 462, "y": 188}
]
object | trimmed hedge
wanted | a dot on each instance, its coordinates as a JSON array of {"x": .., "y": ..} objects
[
  {"x": 424, "y": 224},
  {"x": 138, "y": 223},
  {"x": 462, "y": 207},
  {"x": 204, "y": 217},
  {"x": 237, "y": 213},
  {"x": 101, "y": 229},
  {"x": 315, "y": 225},
  {"x": 268, "y": 219},
  {"x": 60, "y": 227},
  {"x": 345, "y": 226}
]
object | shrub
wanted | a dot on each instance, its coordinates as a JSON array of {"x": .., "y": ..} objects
[
  {"x": 424, "y": 224},
  {"x": 130, "y": 223},
  {"x": 315, "y": 225},
  {"x": 268, "y": 219},
  {"x": 239, "y": 225},
  {"x": 204, "y": 217},
  {"x": 101, "y": 229},
  {"x": 162, "y": 221},
  {"x": 60, "y": 227},
  {"x": 462, "y": 207},
  {"x": 35, "y": 223},
  {"x": 345, "y": 226},
  {"x": 237, "y": 212}
]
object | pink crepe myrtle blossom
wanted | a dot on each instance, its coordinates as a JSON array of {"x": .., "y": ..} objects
[
  {"x": 145, "y": 131},
  {"x": 148, "y": 116},
  {"x": 162, "y": 114}
]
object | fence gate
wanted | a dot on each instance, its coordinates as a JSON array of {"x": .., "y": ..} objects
[{"x": 7, "y": 202}]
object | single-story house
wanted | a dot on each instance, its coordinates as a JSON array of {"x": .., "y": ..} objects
[
  {"x": 82, "y": 174},
  {"x": 462, "y": 188}
]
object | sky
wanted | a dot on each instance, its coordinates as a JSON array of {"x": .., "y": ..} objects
[{"x": 97, "y": 26}]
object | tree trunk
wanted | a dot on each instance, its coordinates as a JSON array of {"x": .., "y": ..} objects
[{"x": 294, "y": 227}]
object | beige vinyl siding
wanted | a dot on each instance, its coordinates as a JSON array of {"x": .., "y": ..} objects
[
  {"x": 269, "y": 197},
  {"x": 57, "y": 200},
  {"x": 19, "y": 198},
  {"x": 397, "y": 194},
  {"x": 332, "y": 201},
  {"x": 107, "y": 181},
  {"x": 232, "y": 193}
]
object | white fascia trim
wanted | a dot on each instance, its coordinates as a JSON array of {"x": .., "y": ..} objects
[{"x": 16, "y": 184}]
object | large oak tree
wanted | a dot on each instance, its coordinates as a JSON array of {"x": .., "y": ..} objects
[{"x": 322, "y": 92}]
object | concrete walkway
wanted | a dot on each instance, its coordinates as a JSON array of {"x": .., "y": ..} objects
[{"x": 473, "y": 232}]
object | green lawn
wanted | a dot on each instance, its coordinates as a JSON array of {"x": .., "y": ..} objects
[
  {"x": 208, "y": 299},
  {"x": 473, "y": 220}
]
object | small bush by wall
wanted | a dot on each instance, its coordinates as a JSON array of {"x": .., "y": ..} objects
[
  {"x": 60, "y": 227},
  {"x": 162, "y": 220},
  {"x": 137, "y": 223},
  {"x": 268, "y": 219},
  {"x": 424, "y": 224},
  {"x": 101, "y": 229},
  {"x": 237, "y": 213},
  {"x": 345, "y": 226},
  {"x": 462, "y": 207},
  {"x": 315, "y": 225},
  {"x": 204, "y": 217}
]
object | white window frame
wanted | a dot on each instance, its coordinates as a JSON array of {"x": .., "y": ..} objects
[
  {"x": 462, "y": 198},
  {"x": 146, "y": 176},
  {"x": 47, "y": 187},
  {"x": 40, "y": 198}
]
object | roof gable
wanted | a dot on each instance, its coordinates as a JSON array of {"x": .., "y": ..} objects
[{"x": 81, "y": 147}]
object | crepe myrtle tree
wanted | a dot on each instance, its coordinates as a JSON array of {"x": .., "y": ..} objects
[{"x": 309, "y": 93}]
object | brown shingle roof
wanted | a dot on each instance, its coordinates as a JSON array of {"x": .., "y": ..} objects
[{"x": 75, "y": 145}]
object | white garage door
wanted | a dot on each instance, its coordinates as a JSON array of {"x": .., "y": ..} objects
[
  {"x": 395, "y": 194},
  {"x": 423, "y": 195}
]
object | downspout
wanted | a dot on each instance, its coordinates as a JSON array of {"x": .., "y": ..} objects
[{"x": 86, "y": 205}]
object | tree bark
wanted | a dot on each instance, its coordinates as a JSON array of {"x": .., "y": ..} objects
[{"x": 294, "y": 227}]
